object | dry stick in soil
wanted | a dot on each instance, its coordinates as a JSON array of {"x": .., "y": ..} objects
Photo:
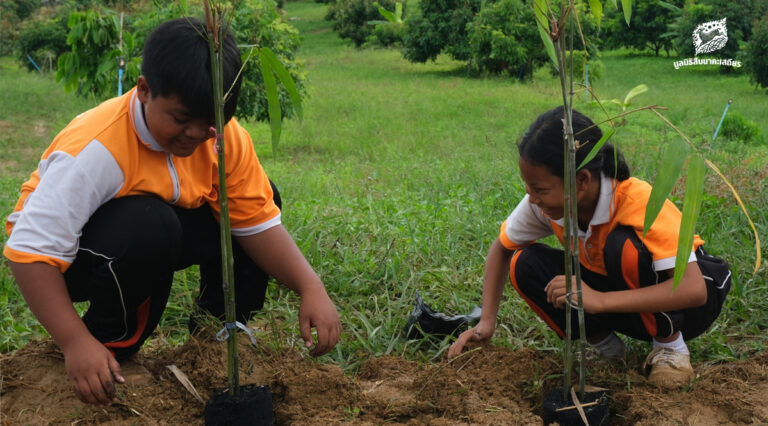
[{"x": 450, "y": 361}]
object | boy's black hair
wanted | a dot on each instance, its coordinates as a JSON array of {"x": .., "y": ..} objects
[
  {"x": 543, "y": 145},
  {"x": 177, "y": 62}
]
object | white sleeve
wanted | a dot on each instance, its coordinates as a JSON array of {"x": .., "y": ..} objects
[
  {"x": 70, "y": 190},
  {"x": 526, "y": 223}
]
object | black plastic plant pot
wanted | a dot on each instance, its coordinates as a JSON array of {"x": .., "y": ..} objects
[
  {"x": 252, "y": 406},
  {"x": 560, "y": 409}
]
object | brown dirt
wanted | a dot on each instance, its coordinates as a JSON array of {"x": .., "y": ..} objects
[{"x": 486, "y": 386}]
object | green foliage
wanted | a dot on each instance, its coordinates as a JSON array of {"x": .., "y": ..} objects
[
  {"x": 390, "y": 32},
  {"x": 740, "y": 18},
  {"x": 257, "y": 22},
  {"x": 352, "y": 18},
  {"x": 756, "y": 54},
  {"x": 42, "y": 39},
  {"x": 91, "y": 67},
  {"x": 647, "y": 29},
  {"x": 440, "y": 26},
  {"x": 504, "y": 39},
  {"x": 386, "y": 34},
  {"x": 737, "y": 128}
]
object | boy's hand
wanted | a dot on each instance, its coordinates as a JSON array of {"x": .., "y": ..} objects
[
  {"x": 92, "y": 370},
  {"x": 482, "y": 332},
  {"x": 317, "y": 311}
]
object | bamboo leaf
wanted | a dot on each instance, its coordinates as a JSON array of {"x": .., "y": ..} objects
[
  {"x": 285, "y": 78},
  {"x": 626, "y": 6},
  {"x": 596, "y": 6},
  {"x": 672, "y": 160},
  {"x": 758, "y": 255},
  {"x": 595, "y": 149},
  {"x": 640, "y": 88},
  {"x": 273, "y": 102},
  {"x": 540, "y": 11},
  {"x": 615, "y": 5},
  {"x": 389, "y": 16},
  {"x": 669, "y": 6},
  {"x": 694, "y": 191}
]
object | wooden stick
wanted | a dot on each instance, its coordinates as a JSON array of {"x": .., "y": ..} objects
[{"x": 573, "y": 406}]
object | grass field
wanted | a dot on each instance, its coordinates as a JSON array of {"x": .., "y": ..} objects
[{"x": 400, "y": 175}]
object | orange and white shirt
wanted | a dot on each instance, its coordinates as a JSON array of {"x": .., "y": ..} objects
[
  {"x": 619, "y": 204},
  {"x": 108, "y": 152}
]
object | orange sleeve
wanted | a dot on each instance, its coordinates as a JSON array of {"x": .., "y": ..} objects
[{"x": 22, "y": 257}]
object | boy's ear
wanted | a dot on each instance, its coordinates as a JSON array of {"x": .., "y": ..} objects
[{"x": 142, "y": 89}]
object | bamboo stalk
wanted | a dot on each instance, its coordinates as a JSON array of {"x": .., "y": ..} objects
[{"x": 215, "y": 37}]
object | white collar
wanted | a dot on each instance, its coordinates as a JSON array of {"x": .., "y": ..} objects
[
  {"x": 603, "y": 209},
  {"x": 140, "y": 125}
]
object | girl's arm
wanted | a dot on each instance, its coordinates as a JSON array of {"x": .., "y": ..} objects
[
  {"x": 691, "y": 292},
  {"x": 494, "y": 279}
]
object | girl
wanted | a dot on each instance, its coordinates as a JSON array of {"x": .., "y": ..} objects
[{"x": 627, "y": 284}]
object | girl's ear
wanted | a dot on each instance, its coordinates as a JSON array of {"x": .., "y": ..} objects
[{"x": 583, "y": 178}]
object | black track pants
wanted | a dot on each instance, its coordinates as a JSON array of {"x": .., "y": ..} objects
[
  {"x": 129, "y": 250},
  {"x": 629, "y": 266}
]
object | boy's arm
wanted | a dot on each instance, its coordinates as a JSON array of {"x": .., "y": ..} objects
[
  {"x": 494, "y": 279},
  {"x": 277, "y": 254},
  {"x": 90, "y": 366}
]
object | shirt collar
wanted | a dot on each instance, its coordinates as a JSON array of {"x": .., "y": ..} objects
[
  {"x": 140, "y": 125},
  {"x": 603, "y": 209}
]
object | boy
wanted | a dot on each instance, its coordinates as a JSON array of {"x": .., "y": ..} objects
[{"x": 125, "y": 195}]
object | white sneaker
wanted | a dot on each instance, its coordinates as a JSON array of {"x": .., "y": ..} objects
[{"x": 668, "y": 369}]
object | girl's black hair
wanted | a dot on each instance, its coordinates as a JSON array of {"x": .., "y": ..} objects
[
  {"x": 176, "y": 62},
  {"x": 542, "y": 145}
]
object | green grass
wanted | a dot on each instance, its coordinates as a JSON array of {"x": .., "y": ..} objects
[{"x": 400, "y": 175}]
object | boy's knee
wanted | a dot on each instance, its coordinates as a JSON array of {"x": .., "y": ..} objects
[{"x": 142, "y": 226}]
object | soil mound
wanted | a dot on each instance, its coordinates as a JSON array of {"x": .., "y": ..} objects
[{"x": 486, "y": 386}]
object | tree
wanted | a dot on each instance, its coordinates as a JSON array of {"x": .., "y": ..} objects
[
  {"x": 502, "y": 40},
  {"x": 647, "y": 30},
  {"x": 352, "y": 18},
  {"x": 756, "y": 55},
  {"x": 44, "y": 40},
  {"x": 90, "y": 68},
  {"x": 440, "y": 26},
  {"x": 739, "y": 21}
]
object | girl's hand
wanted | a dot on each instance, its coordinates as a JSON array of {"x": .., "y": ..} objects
[
  {"x": 482, "y": 332},
  {"x": 556, "y": 295}
]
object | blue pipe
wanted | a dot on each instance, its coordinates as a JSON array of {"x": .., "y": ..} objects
[
  {"x": 120, "y": 71},
  {"x": 33, "y": 63},
  {"x": 730, "y": 101},
  {"x": 119, "y": 82}
]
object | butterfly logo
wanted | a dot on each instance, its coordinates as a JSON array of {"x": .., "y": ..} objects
[{"x": 710, "y": 36}]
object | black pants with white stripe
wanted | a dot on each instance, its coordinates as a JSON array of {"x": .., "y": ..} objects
[
  {"x": 629, "y": 265},
  {"x": 129, "y": 250}
]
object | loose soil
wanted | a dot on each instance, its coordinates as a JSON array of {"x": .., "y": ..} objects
[{"x": 486, "y": 386}]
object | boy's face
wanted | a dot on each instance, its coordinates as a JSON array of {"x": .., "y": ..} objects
[{"x": 170, "y": 123}]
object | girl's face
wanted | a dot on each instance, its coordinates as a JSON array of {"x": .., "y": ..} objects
[{"x": 544, "y": 189}]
